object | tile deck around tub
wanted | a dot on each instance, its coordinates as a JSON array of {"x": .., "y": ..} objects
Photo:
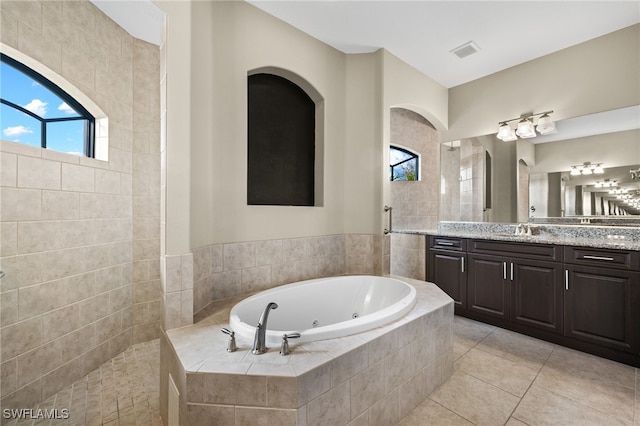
[
  {"x": 359, "y": 375},
  {"x": 202, "y": 346}
]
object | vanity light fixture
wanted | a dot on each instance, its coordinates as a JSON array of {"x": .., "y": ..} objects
[
  {"x": 526, "y": 128},
  {"x": 618, "y": 191},
  {"x": 587, "y": 168},
  {"x": 607, "y": 183}
]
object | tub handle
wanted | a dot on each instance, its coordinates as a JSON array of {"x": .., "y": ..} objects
[
  {"x": 284, "y": 348},
  {"x": 231, "y": 347}
]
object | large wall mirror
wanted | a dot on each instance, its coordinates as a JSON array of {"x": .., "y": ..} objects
[{"x": 484, "y": 179}]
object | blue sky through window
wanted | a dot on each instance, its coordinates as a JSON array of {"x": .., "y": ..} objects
[{"x": 17, "y": 126}]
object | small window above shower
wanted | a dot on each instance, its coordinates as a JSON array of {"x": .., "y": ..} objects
[{"x": 404, "y": 164}]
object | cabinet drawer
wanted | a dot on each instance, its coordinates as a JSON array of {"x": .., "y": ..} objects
[
  {"x": 516, "y": 249},
  {"x": 447, "y": 243},
  {"x": 619, "y": 259}
]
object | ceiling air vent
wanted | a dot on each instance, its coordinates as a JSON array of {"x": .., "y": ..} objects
[{"x": 465, "y": 50}]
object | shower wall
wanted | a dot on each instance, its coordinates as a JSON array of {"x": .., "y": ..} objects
[{"x": 79, "y": 236}]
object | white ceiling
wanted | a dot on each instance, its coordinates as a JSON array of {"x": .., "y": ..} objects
[{"x": 423, "y": 32}]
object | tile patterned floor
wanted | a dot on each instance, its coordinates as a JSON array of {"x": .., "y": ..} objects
[
  {"x": 123, "y": 391},
  {"x": 500, "y": 378},
  {"x": 505, "y": 378}
]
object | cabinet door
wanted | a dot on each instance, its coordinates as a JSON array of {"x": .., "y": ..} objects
[
  {"x": 536, "y": 289},
  {"x": 487, "y": 285},
  {"x": 448, "y": 273},
  {"x": 601, "y": 306}
]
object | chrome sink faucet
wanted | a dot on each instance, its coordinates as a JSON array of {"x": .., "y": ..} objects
[{"x": 260, "y": 339}]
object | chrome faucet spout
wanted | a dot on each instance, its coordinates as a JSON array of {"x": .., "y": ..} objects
[{"x": 260, "y": 339}]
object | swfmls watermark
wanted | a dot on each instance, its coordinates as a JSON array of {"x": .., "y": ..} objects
[{"x": 36, "y": 413}]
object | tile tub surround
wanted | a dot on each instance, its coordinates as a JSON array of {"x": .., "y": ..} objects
[
  {"x": 221, "y": 271},
  {"x": 376, "y": 377}
]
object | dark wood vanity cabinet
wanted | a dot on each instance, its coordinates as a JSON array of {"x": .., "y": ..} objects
[
  {"x": 581, "y": 297},
  {"x": 448, "y": 259},
  {"x": 524, "y": 287},
  {"x": 602, "y": 297}
]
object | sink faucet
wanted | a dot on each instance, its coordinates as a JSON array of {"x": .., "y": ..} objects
[
  {"x": 519, "y": 229},
  {"x": 259, "y": 341}
]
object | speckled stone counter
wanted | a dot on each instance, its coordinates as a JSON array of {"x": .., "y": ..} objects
[{"x": 616, "y": 237}]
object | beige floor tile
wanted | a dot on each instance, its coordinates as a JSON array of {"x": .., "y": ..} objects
[
  {"x": 500, "y": 372},
  {"x": 594, "y": 367},
  {"x": 592, "y": 381},
  {"x": 475, "y": 400},
  {"x": 542, "y": 407},
  {"x": 470, "y": 331},
  {"x": 524, "y": 350},
  {"x": 467, "y": 334},
  {"x": 431, "y": 413},
  {"x": 515, "y": 422}
]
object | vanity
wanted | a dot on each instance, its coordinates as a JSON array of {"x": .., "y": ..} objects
[{"x": 577, "y": 286}]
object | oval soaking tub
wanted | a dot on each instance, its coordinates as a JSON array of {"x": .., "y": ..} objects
[{"x": 325, "y": 308}]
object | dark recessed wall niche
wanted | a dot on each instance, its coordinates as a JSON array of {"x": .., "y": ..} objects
[{"x": 281, "y": 143}]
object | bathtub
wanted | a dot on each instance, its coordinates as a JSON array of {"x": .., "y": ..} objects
[{"x": 325, "y": 308}]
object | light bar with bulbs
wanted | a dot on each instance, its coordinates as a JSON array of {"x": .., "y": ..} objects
[
  {"x": 525, "y": 128},
  {"x": 587, "y": 168}
]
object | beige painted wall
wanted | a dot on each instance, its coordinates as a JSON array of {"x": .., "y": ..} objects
[
  {"x": 612, "y": 149},
  {"x": 405, "y": 87},
  {"x": 208, "y": 205},
  {"x": 234, "y": 38},
  {"x": 594, "y": 76}
]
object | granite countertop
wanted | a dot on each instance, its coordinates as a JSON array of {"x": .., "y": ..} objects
[{"x": 607, "y": 237}]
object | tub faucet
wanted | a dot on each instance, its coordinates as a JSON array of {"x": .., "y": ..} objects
[{"x": 260, "y": 339}]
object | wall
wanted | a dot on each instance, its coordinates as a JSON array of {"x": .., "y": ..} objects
[
  {"x": 612, "y": 149},
  {"x": 242, "y": 38},
  {"x": 79, "y": 236},
  {"x": 413, "y": 201},
  {"x": 234, "y": 39},
  {"x": 471, "y": 180},
  {"x": 450, "y": 175},
  {"x": 552, "y": 82}
]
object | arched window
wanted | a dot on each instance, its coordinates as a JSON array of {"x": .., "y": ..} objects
[
  {"x": 403, "y": 164},
  {"x": 35, "y": 111},
  {"x": 281, "y": 142}
]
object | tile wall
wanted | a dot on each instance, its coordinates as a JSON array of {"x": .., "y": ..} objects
[
  {"x": 408, "y": 258},
  {"x": 79, "y": 236},
  {"x": 222, "y": 271},
  {"x": 415, "y": 203}
]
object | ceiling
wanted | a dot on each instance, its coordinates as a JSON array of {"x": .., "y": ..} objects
[{"x": 423, "y": 32}]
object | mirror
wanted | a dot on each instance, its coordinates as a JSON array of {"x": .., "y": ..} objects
[
  {"x": 612, "y": 193},
  {"x": 486, "y": 180}
]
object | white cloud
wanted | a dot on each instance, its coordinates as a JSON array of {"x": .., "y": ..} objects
[
  {"x": 37, "y": 107},
  {"x": 66, "y": 108},
  {"x": 16, "y": 131}
]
